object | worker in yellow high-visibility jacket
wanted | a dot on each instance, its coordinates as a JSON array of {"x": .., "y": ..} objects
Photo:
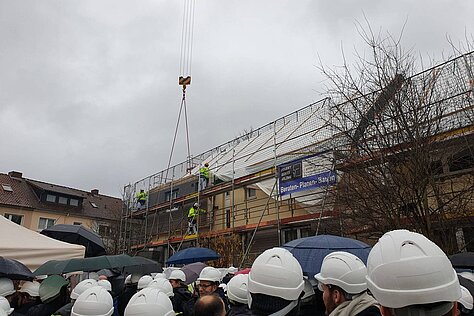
[
  {"x": 141, "y": 199},
  {"x": 203, "y": 176},
  {"x": 193, "y": 212}
]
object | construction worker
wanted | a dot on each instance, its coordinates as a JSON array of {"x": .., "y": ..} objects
[
  {"x": 203, "y": 176},
  {"x": 275, "y": 283},
  {"x": 194, "y": 211},
  {"x": 408, "y": 274},
  {"x": 342, "y": 281},
  {"x": 141, "y": 199}
]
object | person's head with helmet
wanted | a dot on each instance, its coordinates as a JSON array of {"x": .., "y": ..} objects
[
  {"x": 208, "y": 281},
  {"x": 163, "y": 285},
  {"x": 196, "y": 205},
  {"x": 177, "y": 279},
  {"x": 29, "y": 291},
  {"x": 53, "y": 288},
  {"x": 465, "y": 303},
  {"x": 275, "y": 283},
  {"x": 81, "y": 287},
  {"x": 7, "y": 289},
  {"x": 149, "y": 302},
  {"x": 237, "y": 292},
  {"x": 342, "y": 279},
  {"x": 144, "y": 281},
  {"x": 95, "y": 301},
  {"x": 5, "y": 305},
  {"x": 408, "y": 274}
]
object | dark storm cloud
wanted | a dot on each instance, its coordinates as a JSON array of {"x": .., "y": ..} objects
[{"x": 89, "y": 95}]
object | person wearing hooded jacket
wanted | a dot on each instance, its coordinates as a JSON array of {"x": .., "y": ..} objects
[
  {"x": 182, "y": 299},
  {"x": 342, "y": 281},
  {"x": 53, "y": 294}
]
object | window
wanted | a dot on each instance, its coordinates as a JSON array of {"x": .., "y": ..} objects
[
  {"x": 251, "y": 193},
  {"x": 227, "y": 218},
  {"x": 462, "y": 160},
  {"x": 7, "y": 188},
  {"x": 45, "y": 223},
  {"x": 50, "y": 198},
  {"x": 15, "y": 218},
  {"x": 290, "y": 235},
  {"x": 62, "y": 200},
  {"x": 171, "y": 195},
  {"x": 74, "y": 202},
  {"x": 104, "y": 230},
  {"x": 94, "y": 205},
  {"x": 77, "y": 223}
]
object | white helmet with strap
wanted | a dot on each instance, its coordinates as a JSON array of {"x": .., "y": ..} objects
[
  {"x": 277, "y": 273},
  {"x": 406, "y": 268},
  {"x": 237, "y": 288},
  {"x": 344, "y": 270},
  {"x": 163, "y": 285},
  {"x": 149, "y": 302},
  {"x": 5, "y": 305},
  {"x": 95, "y": 301},
  {"x": 144, "y": 281},
  {"x": 177, "y": 275},
  {"x": 81, "y": 287},
  {"x": 210, "y": 274}
]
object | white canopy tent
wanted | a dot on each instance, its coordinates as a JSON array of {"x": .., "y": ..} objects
[{"x": 32, "y": 248}]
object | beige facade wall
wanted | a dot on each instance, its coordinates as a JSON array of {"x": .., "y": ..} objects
[
  {"x": 248, "y": 209},
  {"x": 31, "y": 218}
]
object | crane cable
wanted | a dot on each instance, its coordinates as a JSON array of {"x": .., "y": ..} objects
[{"x": 187, "y": 37}]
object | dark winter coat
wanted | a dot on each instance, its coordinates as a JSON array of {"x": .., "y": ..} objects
[
  {"x": 183, "y": 301},
  {"x": 239, "y": 310}
]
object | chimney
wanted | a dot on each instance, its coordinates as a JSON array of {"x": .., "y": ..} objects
[
  {"x": 15, "y": 174},
  {"x": 95, "y": 191}
]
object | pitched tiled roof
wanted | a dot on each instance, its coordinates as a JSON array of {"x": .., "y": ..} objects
[{"x": 23, "y": 195}]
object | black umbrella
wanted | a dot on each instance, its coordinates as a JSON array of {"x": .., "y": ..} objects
[
  {"x": 79, "y": 235},
  {"x": 463, "y": 260},
  {"x": 15, "y": 270},
  {"x": 194, "y": 254},
  {"x": 144, "y": 266}
]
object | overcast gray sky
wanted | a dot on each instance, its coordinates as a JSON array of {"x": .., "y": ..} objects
[{"x": 88, "y": 88}]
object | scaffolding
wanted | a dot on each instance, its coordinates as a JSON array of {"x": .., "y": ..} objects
[{"x": 244, "y": 194}]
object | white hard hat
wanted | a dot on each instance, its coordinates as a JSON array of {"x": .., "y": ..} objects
[
  {"x": 237, "y": 288},
  {"x": 223, "y": 272},
  {"x": 135, "y": 277},
  {"x": 3, "y": 313},
  {"x": 81, "y": 287},
  {"x": 105, "y": 284},
  {"x": 159, "y": 276},
  {"x": 177, "y": 275},
  {"x": 6, "y": 287},
  {"x": 95, "y": 301},
  {"x": 149, "y": 302},
  {"x": 406, "y": 268},
  {"x": 144, "y": 281},
  {"x": 128, "y": 279},
  {"x": 163, "y": 285},
  {"x": 232, "y": 270},
  {"x": 32, "y": 288},
  {"x": 195, "y": 205},
  {"x": 276, "y": 273},
  {"x": 345, "y": 270},
  {"x": 210, "y": 274},
  {"x": 466, "y": 298},
  {"x": 5, "y": 305}
]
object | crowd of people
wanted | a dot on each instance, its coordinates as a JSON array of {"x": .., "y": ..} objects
[{"x": 406, "y": 275}]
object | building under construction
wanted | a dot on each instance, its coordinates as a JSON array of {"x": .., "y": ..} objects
[{"x": 281, "y": 181}]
